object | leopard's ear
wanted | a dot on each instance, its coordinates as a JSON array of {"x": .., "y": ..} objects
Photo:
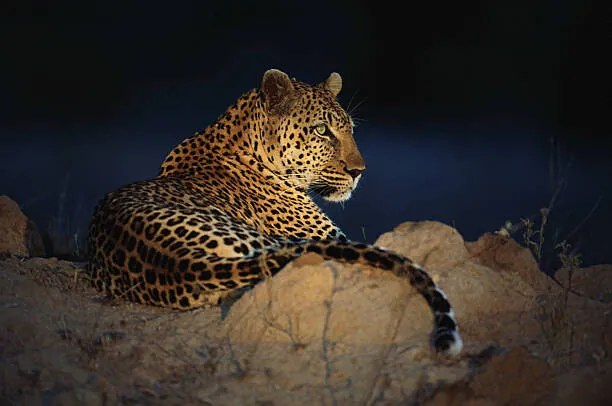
[
  {"x": 279, "y": 93},
  {"x": 333, "y": 83}
]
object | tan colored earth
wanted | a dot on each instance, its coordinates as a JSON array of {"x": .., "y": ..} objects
[
  {"x": 18, "y": 235},
  {"x": 317, "y": 333}
]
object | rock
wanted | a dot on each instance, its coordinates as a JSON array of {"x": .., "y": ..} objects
[
  {"x": 491, "y": 305},
  {"x": 594, "y": 281},
  {"x": 343, "y": 328},
  {"x": 428, "y": 243},
  {"x": 18, "y": 235},
  {"x": 504, "y": 254},
  {"x": 335, "y": 328},
  {"x": 512, "y": 378}
]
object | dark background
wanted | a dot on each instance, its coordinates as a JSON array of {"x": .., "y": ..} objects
[{"x": 470, "y": 113}]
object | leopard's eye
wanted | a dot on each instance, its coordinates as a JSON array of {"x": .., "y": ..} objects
[{"x": 321, "y": 129}]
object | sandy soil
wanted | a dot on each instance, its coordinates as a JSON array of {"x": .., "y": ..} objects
[{"x": 63, "y": 343}]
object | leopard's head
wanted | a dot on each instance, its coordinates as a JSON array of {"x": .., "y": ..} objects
[{"x": 308, "y": 136}]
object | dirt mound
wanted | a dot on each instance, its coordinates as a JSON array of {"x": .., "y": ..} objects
[
  {"x": 318, "y": 332},
  {"x": 342, "y": 334},
  {"x": 18, "y": 235},
  {"x": 594, "y": 282}
]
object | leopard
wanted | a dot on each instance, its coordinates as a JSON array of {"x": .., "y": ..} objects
[{"x": 234, "y": 203}]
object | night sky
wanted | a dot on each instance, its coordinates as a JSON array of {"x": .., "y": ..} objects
[{"x": 468, "y": 111}]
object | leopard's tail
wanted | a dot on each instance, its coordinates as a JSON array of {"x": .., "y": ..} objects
[{"x": 445, "y": 338}]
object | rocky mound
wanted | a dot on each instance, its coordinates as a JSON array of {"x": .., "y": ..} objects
[
  {"x": 18, "y": 235},
  {"x": 319, "y": 332}
]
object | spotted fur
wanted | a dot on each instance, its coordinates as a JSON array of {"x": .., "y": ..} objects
[{"x": 231, "y": 204}]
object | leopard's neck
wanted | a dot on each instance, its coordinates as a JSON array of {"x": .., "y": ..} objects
[{"x": 236, "y": 135}]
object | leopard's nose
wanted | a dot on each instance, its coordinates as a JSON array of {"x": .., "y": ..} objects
[{"x": 354, "y": 172}]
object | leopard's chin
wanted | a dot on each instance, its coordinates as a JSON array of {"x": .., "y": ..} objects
[{"x": 339, "y": 194}]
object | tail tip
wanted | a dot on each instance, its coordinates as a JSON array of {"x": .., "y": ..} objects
[{"x": 448, "y": 343}]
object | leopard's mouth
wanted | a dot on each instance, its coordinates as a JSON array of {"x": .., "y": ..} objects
[{"x": 336, "y": 191}]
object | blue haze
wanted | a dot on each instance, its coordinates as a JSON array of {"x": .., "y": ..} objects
[{"x": 474, "y": 177}]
